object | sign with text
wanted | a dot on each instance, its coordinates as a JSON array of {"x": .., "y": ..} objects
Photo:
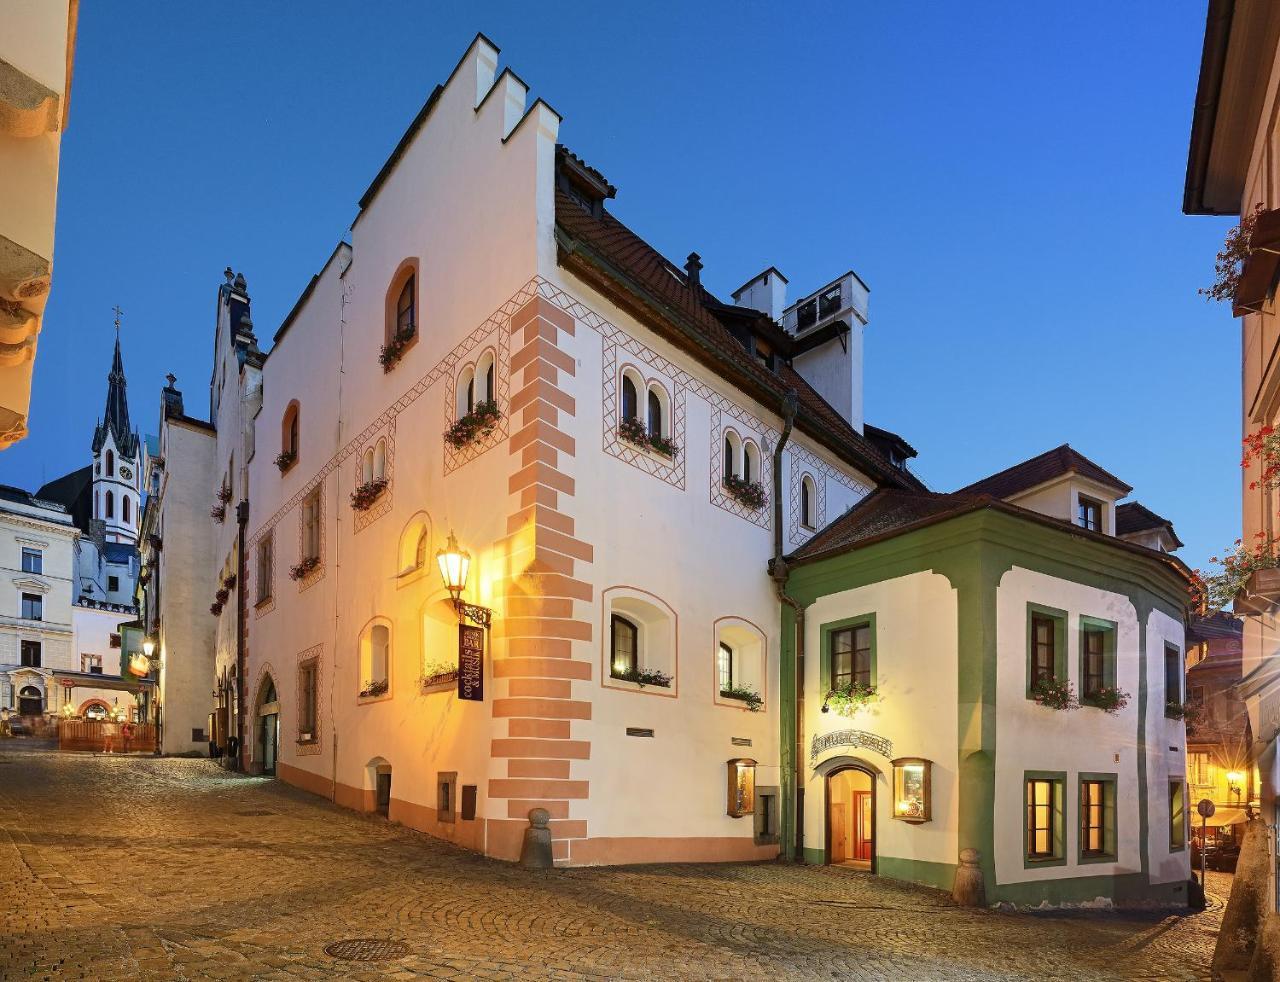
[{"x": 470, "y": 663}]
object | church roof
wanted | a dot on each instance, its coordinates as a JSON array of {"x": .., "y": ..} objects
[
  {"x": 73, "y": 491},
  {"x": 116, "y": 417}
]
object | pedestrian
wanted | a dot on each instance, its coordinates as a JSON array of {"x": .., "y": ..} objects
[
  {"x": 126, "y": 731},
  {"x": 109, "y": 736}
]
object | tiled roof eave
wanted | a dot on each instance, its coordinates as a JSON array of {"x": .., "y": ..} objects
[{"x": 580, "y": 258}]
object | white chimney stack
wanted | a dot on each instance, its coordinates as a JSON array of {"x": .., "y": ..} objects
[{"x": 766, "y": 292}]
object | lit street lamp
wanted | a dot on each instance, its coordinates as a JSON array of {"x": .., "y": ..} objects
[{"x": 455, "y": 563}]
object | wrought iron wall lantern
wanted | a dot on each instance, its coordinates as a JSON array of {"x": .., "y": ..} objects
[{"x": 455, "y": 563}]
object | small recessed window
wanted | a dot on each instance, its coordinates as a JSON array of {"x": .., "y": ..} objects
[
  {"x": 1172, "y": 680},
  {"x": 406, "y": 323},
  {"x": 1177, "y": 815},
  {"x": 630, "y": 398},
  {"x": 742, "y": 787},
  {"x": 623, "y": 645},
  {"x": 808, "y": 502},
  {"x": 724, "y": 667},
  {"x": 113, "y": 584},
  {"x": 912, "y": 789},
  {"x": 1089, "y": 514}
]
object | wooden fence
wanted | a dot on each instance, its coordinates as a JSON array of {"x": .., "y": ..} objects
[{"x": 86, "y": 734}]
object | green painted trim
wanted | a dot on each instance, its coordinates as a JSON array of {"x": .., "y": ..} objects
[
  {"x": 826, "y": 629},
  {"x": 1122, "y": 888},
  {"x": 1109, "y": 629},
  {"x": 1059, "y": 618},
  {"x": 939, "y": 875},
  {"x": 1109, "y": 853},
  {"x": 815, "y": 857},
  {"x": 1059, "y": 857},
  {"x": 1174, "y": 844},
  {"x": 787, "y": 743}
]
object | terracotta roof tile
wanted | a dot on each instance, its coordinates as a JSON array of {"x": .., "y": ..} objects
[{"x": 1045, "y": 467}]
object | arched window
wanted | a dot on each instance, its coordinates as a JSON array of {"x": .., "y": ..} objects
[
  {"x": 630, "y": 398},
  {"x": 124, "y": 508},
  {"x": 111, "y": 505},
  {"x": 289, "y": 430},
  {"x": 380, "y": 461},
  {"x": 623, "y": 646},
  {"x": 375, "y": 659},
  {"x": 808, "y": 502},
  {"x": 657, "y": 406},
  {"x": 420, "y": 550},
  {"x": 732, "y": 455},
  {"x": 414, "y": 551},
  {"x": 366, "y": 468},
  {"x": 466, "y": 395},
  {"x": 750, "y": 462},
  {"x": 484, "y": 378},
  {"x": 406, "y": 316},
  {"x": 111, "y": 463}
]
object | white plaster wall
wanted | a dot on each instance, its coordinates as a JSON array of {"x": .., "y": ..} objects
[
  {"x": 916, "y": 680},
  {"x": 837, "y": 374},
  {"x": 1166, "y": 753},
  {"x": 1060, "y": 498},
  {"x": 1033, "y": 738}
]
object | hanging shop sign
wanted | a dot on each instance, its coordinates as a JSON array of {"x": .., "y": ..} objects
[
  {"x": 139, "y": 665},
  {"x": 850, "y": 738},
  {"x": 471, "y": 663}
]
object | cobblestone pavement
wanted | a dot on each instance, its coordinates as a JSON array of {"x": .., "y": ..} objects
[{"x": 117, "y": 867}]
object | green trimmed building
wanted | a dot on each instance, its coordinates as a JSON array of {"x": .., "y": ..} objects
[{"x": 938, "y": 637}]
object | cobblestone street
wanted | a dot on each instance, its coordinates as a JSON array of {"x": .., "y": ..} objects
[{"x": 115, "y": 867}]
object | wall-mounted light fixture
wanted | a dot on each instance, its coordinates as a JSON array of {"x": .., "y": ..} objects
[
  {"x": 1234, "y": 780},
  {"x": 455, "y": 563},
  {"x": 742, "y": 787}
]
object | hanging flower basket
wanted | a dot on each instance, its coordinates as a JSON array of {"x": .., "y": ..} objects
[
  {"x": 476, "y": 425},
  {"x": 644, "y": 676},
  {"x": 749, "y": 493},
  {"x": 218, "y": 513},
  {"x": 394, "y": 349},
  {"x": 221, "y": 596},
  {"x": 215, "y": 609},
  {"x": 1054, "y": 693},
  {"x": 285, "y": 460},
  {"x": 849, "y": 700},
  {"x": 1239, "y": 569},
  {"x": 363, "y": 497},
  {"x": 748, "y": 696},
  {"x": 301, "y": 569},
  {"x": 371, "y": 689},
  {"x": 1110, "y": 699},
  {"x": 224, "y": 494},
  {"x": 229, "y": 581}
]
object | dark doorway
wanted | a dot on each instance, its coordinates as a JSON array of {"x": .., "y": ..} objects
[
  {"x": 383, "y": 798},
  {"x": 30, "y": 702}
]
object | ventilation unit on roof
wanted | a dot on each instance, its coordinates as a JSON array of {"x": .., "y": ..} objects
[{"x": 840, "y": 300}]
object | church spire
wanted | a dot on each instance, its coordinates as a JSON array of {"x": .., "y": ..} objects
[{"x": 116, "y": 418}]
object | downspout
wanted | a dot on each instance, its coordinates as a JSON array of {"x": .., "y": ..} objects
[
  {"x": 778, "y": 572},
  {"x": 242, "y": 519}
]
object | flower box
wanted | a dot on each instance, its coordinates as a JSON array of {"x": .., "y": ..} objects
[
  {"x": 749, "y": 493},
  {"x": 230, "y": 581},
  {"x": 748, "y": 696},
  {"x": 632, "y": 431},
  {"x": 643, "y": 677},
  {"x": 1110, "y": 699},
  {"x": 394, "y": 349},
  {"x": 222, "y": 595},
  {"x": 363, "y": 497},
  {"x": 848, "y": 700},
  {"x": 475, "y": 425},
  {"x": 372, "y": 689},
  {"x": 218, "y": 513},
  {"x": 224, "y": 494},
  {"x": 285, "y": 460},
  {"x": 1054, "y": 693},
  {"x": 445, "y": 677},
  {"x": 215, "y": 609},
  {"x": 1260, "y": 266},
  {"x": 301, "y": 569}
]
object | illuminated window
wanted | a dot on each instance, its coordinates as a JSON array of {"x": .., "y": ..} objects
[
  {"x": 623, "y": 645},
  {"x": 742, "y": 787},
  {"x": 851, "y": 656},
  {"x": 912, "y": 789},
  {"x": 1097, "y": 816},
  {"x": 1177, "y": 815},
  {"x": 1043, "y": 822}
]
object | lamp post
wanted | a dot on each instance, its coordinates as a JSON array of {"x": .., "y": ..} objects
[
  {"x": 455, "y": 564},
  {"x": 1234, "y": 780}
]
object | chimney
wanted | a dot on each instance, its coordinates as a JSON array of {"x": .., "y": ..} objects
[
  {"x": 765, "y": 292},
  {"x": 171, "y": 397},
  {"x": 693, "y": 270}
]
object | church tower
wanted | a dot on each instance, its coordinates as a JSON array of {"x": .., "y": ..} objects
[{"x": 116, "y": 462}]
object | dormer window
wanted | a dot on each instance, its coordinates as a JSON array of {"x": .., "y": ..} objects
[{"x": 1089, "y": 514}]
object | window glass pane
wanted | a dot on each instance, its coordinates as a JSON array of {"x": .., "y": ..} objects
[
  {"x": 862, "y": 654},
  {"x": 624, "y": 646},
  {"x": 629, "y": 398},
  {"x": 1172, "y": 674},
  {"x": 1043, "y": 651},
  {"x": 841, "y": 658},
  {"x": 655, "y": 414},
  {"x": 725, "y": 667}
]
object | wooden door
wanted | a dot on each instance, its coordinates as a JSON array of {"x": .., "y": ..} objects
[{"x": 862, "y": 825}]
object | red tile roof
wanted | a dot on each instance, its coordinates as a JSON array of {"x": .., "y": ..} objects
[
  {"x": 1134, "y": 516},
  {"x": 1040, "y": 469}
]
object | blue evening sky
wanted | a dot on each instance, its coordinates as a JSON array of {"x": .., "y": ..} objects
[{"x": 1007, "y": 177}]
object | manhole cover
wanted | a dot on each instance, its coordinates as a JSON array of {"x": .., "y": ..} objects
[
  {"x": 252, "y": 813},
  {"x": 366, "y": 949}
]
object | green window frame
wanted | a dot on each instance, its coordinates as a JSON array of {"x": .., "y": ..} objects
[
  {"x": 1177, "y": 815},
  {"x": 828, "y": 633},
  {"x": 1097, "y": 656},
  {"x": 1040, "y": 619},
  {"x": 1043, "y": 819},
  {"x": 1174, "y": 680},
  {"x": 1097, "y": 814}
]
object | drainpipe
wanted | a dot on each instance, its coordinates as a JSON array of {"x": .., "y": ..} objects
[
  {"x": 242, "y": 519},
  {"x": 779, "y": 573}
]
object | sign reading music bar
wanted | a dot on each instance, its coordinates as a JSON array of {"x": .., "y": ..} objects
[{"x": 470, "y": 663}]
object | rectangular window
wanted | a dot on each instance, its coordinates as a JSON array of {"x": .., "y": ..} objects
[
  {"x": 1043, "y": 648},
  {"x": 32, "y": 560},
  {"x": 311, "y": 526},
  {"x": 851, "y": 656},
  {"x": 91, "y": 663},
  {"x": 113, "y": 584},
  {"x": 1172, "y": 678},
  {"x": 1097, "y": 816},
  {"x": 1089, "y": 514},
  {"x": 725, "y": 666},
  {"x": 30, "y": 654},
  {"x": 446, "y": 798},
  {"x": 1040, "y": 819},
  {"x": 33, "y": 606},
  {"x": 1200, "y": 770},
  {"x": 1177, "y": 815},
  {"x": 307, "y": 700},
  {"x": 1092, "y": 679},
  {"x": 264, "y": 568}
]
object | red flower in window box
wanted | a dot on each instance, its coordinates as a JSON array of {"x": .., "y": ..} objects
[
  {"x": 363, "y": 497},
  {"x": 475, "y": 425},
  {"x": 285, "y": 460},
  {"x": 300, "y": 570},
  {"x": 749, "y": 493},
  {"x": 394, "y": 349},
  {"x": 1054, "y": 693}
]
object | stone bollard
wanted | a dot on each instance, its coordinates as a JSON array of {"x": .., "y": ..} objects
[
  {"x": 536, "y": 852},
  {"x": 969, "y": 890}
]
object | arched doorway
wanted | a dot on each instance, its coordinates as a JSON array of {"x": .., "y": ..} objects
[
  {"x": 94, "y": 709},
  {"x": 851, "y": 818},
  {"x": 268, "y": 726},
  {"x": 30, "y": 701}
]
